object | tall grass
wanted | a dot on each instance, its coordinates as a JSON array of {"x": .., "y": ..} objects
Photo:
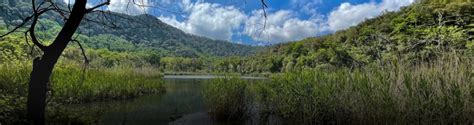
[
  {"x": 72, "y": 85},
  {"x": 228, "y": 98},
  {"x": 12, "y": 92},
  {"x": 69, "y": 84},
  {"x": 384, "y": 93}
]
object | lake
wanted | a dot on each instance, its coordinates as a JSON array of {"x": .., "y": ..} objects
[{"x": 181, "y": 104}]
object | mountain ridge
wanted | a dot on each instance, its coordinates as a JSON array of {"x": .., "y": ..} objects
[{"x": 143, "y": 31}]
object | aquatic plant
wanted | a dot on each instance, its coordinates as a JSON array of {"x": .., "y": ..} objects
[
  {"x": 386, "y": 92},
  {"x": 228, "y": 98}
]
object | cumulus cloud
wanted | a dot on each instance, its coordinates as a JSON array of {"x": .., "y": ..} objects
[
  {"x": 284, "y": 25},
  {"x": 306, "y": 6},
  {"x": 132, "y": 7},
  {"x": 223, "y": 22},
  {"x": 281, "y": 26},
  {"x": 347, "y": 15},
  {"x": 208, "y": 19}
]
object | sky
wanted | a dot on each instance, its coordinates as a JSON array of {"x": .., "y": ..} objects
[{"x": 243, "y": 21}]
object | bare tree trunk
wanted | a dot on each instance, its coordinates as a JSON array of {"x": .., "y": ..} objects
[{"x": 43, "y": 67}]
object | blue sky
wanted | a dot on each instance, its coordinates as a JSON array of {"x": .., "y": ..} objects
[{"x": 241, "y": 21}]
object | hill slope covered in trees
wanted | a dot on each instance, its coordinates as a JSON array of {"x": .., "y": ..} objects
[
  {"x": 121, "y": 32},
  {"x": 418, "y": 33}
]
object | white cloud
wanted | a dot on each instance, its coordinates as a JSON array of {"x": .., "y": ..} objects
[
  {"x": 394, "y": 5},
  {"x": 132, "y": 7},
  {"x": 347, "y": 15},
  {"x": 210, "y": 20},
  {"x": 222, "y": 22},
  {"x": 281, "y": 26},
  {"x": 306, "y": 6},
  {"x": 219, "y": 21}
]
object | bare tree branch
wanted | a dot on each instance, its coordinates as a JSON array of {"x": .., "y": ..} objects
[
  {"x": 35, "y": 40},
  {"x": 86, "y": 60},
  {"x": 98, "y": 6},
  {"x": 264, "y": 6}
]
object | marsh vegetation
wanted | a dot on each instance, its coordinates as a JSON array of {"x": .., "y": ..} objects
[{"x": 395, "y": 92}]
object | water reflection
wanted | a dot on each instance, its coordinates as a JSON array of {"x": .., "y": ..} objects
[
  {"x": 181, "y": 104},
  {"x": 208, "y": 77}
]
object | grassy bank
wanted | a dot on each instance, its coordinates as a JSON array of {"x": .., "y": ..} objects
[
  {"x": 70, "y": 84},
  {"x": 382, "y": 93}
]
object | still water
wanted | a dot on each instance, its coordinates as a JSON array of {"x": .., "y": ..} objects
[{"x": 181, "y": 104}]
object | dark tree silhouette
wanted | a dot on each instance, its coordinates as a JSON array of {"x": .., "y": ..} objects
[{"x": 43, "y": 66}]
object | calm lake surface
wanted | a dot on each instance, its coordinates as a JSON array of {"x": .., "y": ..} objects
[{"x": 181, "y": 104}]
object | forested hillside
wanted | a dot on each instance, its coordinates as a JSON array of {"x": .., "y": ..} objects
[
  {"x": 120, "y": 32},
  {"x": 418, "y": 33}
]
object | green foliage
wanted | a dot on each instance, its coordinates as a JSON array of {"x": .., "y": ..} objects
[
  {"x": 71, "y": 85},
  {"x": 149, "y": 32},
  {"x": 109, "y": 42},
  {"x": 228, "y": 98},
  {"x": 104, "y": 84},
  {"x": 418, "y": 33},
  {"x": 181, "y": 64},
  {"x": 143, "y": 36},
  {"x": 445, "y": 1},
  {"x": 118, "y": 73},
  {"x": 3, "y": 28},
  {"x": 12, "y": 48},
  {"x": 440, "y": 92},
  {"x": 383, "y": 93}
]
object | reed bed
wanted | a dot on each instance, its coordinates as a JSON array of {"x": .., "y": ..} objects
[
  {"x": 440, "y": 92},
  {"x": 228, "y": 98},
  {"x": 70, "y": 84}
]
